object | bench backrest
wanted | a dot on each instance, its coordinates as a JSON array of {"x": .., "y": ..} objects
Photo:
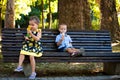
[{"x": 91, "y": 41}]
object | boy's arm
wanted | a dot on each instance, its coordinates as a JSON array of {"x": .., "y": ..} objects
[
  {"x": 59, "y": 41},
  {"x": 70, "y": 39}
]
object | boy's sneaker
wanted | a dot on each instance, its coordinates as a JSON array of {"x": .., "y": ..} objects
[
  {"x": 73, "y": 54},
  {"x": 82, "y": 50},
  {"x": 80, "y": 53},
  {"x": 18, "y": 69},
  {"x": 32, "y": 76}
]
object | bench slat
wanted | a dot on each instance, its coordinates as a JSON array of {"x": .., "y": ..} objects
[
  {"x": 69, "y": 59},
  {"x": 63, "y": 54}
]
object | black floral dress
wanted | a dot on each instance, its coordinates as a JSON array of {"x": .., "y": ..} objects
[{"x": 32, "y": 47}]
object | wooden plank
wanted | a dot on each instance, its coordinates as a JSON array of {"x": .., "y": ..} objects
[
  {"x": 65, "y": 54},
  {"x": 54, "y": 36},
  {"x": 72, "y": 58},
  {"x": 97, "y": 45},
  {"x": 54, "y": 59},
  {"x": 54, "y": 49},
  {"x": 55, "y": 46}
]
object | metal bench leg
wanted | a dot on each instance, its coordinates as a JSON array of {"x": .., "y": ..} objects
[
  {"x": 27, "y": 69},
  {"x": 112, "y": 68}
]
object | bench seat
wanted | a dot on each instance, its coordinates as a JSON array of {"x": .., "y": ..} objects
[{"x": 97, "y": 45}]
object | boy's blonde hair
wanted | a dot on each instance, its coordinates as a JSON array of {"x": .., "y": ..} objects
[{"x": 62, "y": 25}]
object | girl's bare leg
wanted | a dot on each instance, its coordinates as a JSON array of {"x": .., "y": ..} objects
[
  {"x": 32, "y": 62},
  {"x": 21, "y": 59}
]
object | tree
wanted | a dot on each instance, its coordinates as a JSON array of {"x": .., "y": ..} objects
[
  {"x": 50, "y": 15},
  {"x": 109, "y": 20},
  {"x": 95, "y": 14},
  {"x": 74, "y": 13},
  {"x": 0, "y": 15},
  {"x": 2, "y": 8},
  {"x": 9, "y": 16}
]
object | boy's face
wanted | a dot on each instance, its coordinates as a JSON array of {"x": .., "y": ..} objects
[{"x": 63, "y": 29}]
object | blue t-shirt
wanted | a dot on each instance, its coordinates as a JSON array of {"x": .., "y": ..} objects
[{"x": 65, "y": 43}]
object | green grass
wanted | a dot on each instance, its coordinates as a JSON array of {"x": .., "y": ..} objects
[
  {"x": 116, "y": 48},
  {"x": 54, "y": 69},
  {"x": 68, "y": 69}
]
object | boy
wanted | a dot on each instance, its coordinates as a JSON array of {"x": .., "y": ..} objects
[{"x": 64, "y": 42}]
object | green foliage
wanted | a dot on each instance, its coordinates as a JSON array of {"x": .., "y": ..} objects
[
  {"x": 55, "y": 24},
  {"x": 95, "y": 24},
  {"x": 119, "y": 19},
  {"x": 23, "y": 7},
  {"x": 54, "y": 16},
  {"x": 26, "y": 8},
  {"x": 118, "y": 9},
  {"x": 3, "y": 7},
  {"x": 23, "y": 22},
  {"x": 95, "y": 14},
  {"x": 118, "y": 5},
  {"x": 36, "y": 9}
]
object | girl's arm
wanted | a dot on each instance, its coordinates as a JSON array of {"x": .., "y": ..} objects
[{"x": 37, "y": 38}]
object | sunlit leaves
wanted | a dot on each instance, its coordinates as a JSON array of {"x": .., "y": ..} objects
[
  {"x": 95, "y": 14},
  {"x": 22, "y": 7},
  {"x": 118, "y": 5},
  {"x": 3, "y": 7}
]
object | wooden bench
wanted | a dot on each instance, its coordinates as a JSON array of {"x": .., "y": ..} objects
[{"x": 97, "y": 45}]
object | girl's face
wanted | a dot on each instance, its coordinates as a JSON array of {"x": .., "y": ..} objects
[
  {"x": 63, "y": 29},
  {"x": 33, "y": 25}
]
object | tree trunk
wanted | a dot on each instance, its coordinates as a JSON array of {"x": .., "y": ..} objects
[
  {"x": 9, "y": 15},
  {"x": 74, "y": 13},
  {"x": 42, "y": 14},
  {"x": 50, "y": 15},
  {"x": 109, "y": 20},
  {"x": 0, "y": 18}
]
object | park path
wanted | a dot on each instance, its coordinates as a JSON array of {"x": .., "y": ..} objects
[{"x": 115, "y": 77}]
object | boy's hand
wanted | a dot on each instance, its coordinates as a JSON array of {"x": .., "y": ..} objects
[{"x": 62, "y": 37}]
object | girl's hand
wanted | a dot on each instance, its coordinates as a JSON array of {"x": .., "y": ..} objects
[
  {"x": 29, "y": 31},
  {"x": 26, "y": 38}
]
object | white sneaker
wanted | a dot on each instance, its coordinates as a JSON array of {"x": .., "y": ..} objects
[
  {"x": 18, "y": 69},
  {"x": 73, "y": 54},
  {"x": 32, "y": 76}
]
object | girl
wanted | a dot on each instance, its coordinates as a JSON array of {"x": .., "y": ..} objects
[{"x": 31, "y": 46}]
